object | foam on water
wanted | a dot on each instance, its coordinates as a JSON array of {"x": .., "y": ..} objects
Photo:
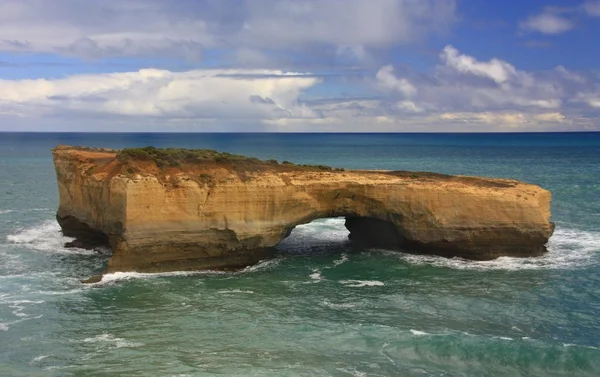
[
  {"x": 120, "y": 276},
  {"x": 567, "y": 249},
  {"x": 114, "y": 341},
  {"x": 18, "y": 305},
  {"x": 419, "y": 333},
  {"x": 262, "y": 265},
  {"x": 228, "y": 291},
  {"x": 38, "y": 358},
  {"x": 362, "y": 283},
  {"x": 316, "y": 275},
  {"x": 3, "y": 211},
  {"x": 353, "y": 372},
  {"x": 45, "y": 237},
  {"x": 3, "y": 326},
  {"x": 333, "y": 305},
  {"x": 342, "y": 260}
]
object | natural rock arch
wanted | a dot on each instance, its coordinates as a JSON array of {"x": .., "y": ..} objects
[{"x": 230, "y": 213}]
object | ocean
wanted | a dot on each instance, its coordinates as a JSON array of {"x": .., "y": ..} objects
[{"x": 321, "y": 307}]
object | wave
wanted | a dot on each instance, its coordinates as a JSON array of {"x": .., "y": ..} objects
[
  {"x": 38, "y": 359},
  {"x": 261, "y": 265},
  {"x": 342, "y": 260},
  {"x": 18, "y": 305},
  {"x": 45, "y": 237},
  {"x": 353, "y": 372},
  {"x": 3, "y": 211},
  {"x": 316, "y": 275},
  {"x": 116, "y": 342},
  {"x": 362, "y": 283},
  {"x": 120, "y": 276},
  {"x": 333, "y": 305},
  {"x": 567, "y": 249},
  {"x": 228, "y": 291}
]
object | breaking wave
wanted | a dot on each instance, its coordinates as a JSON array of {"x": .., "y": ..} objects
[
  {"x": 567, "y": 249},
  {"x": 45, "y": 237}
]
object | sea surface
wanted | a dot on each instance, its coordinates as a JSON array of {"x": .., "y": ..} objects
[{"x": 321, "y": 307}]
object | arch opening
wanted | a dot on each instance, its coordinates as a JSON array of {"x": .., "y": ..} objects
[{"x": 340, "y": 234}]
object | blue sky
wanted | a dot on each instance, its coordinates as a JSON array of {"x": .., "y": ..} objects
[{"x": 300, "y": 65}]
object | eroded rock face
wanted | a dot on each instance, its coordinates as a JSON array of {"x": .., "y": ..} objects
[{"x": 220, "y": 214}]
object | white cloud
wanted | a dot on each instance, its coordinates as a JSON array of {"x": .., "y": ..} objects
[
  {"x": 463, "y": 93},
  {"x": 497, "y": 70},
  {"x": 345, "y": 22},
  {"x": 547, "y": 23},
  {"x": 104, "y": 28},
  {"x": 199, "y": 94},
  {"x": 493, "y": 94},
  {"x": 592, "y": 8},
  {"x": 507, "y": 119},
  {"x": 386, "y": 78}
]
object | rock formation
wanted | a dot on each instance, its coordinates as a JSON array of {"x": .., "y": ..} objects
[{"x": 163, "y": 210}]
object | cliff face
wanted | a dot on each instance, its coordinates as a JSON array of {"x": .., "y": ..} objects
[{"x": 226, "y": 213}]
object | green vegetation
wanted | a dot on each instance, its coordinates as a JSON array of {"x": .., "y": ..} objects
[{"x": 175, "y": 157}]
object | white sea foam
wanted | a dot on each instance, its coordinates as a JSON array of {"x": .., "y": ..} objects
[
  {"x": 342, "y": 260},
  {"x": 3, "y": 326},
  {"x": 567, "y": 249},
  {"x": 45, "y": 237},
  {"x": 262, "y": 265},
  {"x": 236, "y": 291},
  {"x": 38, "y": 358},
  {"x": 19, "y": 306},
  {"x": 111, "y": 339},
  {"x": 419, "y": 333},
  {"x": 119, "y": 276},
  {"x": 316, "y": 275},
  {"x": 333, "y": 305},
  {"x": 353, "y": 372},
  {"x": 3, "y": 211},
  {"x": 577, "y": 345},
  {"x": 362, "y": 283}
]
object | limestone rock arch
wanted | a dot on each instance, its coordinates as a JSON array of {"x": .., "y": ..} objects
[{"x": 217, "y": 215}]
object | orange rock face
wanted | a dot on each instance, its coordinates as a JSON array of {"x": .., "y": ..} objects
[{"x": 228, "y": 214}]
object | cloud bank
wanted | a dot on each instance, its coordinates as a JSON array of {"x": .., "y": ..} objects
[
  {"x": 94, "y": 29},
  {"x": 461, "y": 94}
]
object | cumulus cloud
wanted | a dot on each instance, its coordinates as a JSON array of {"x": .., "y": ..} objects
[
  {"x": 386, "y": 78},
  {"x": 547, "y": 22},
  {"x": 95, "y": 29},
  {"x": 496, "y": 70},
  {"x": 198, "y": 94},
  {"x": 492, "y": 94}
]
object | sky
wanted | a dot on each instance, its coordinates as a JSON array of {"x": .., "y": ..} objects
[{"x": 300, "y": 65}]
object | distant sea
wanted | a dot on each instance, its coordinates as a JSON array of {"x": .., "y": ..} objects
[{"x": 320, "y": 307}]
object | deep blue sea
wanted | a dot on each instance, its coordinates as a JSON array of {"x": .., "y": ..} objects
[{"x": 320, "y": 307}]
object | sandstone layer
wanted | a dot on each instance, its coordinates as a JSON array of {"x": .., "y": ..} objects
[{"x": 188, "y": 210}]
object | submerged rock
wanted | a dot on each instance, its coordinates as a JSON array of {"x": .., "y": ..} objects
[{"x": 175, "y": 209}]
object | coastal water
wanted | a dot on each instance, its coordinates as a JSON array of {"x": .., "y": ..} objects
[{"x": 321, "y": 307}]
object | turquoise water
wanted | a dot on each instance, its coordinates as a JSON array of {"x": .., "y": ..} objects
[{"x": 321, "y": 307}]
